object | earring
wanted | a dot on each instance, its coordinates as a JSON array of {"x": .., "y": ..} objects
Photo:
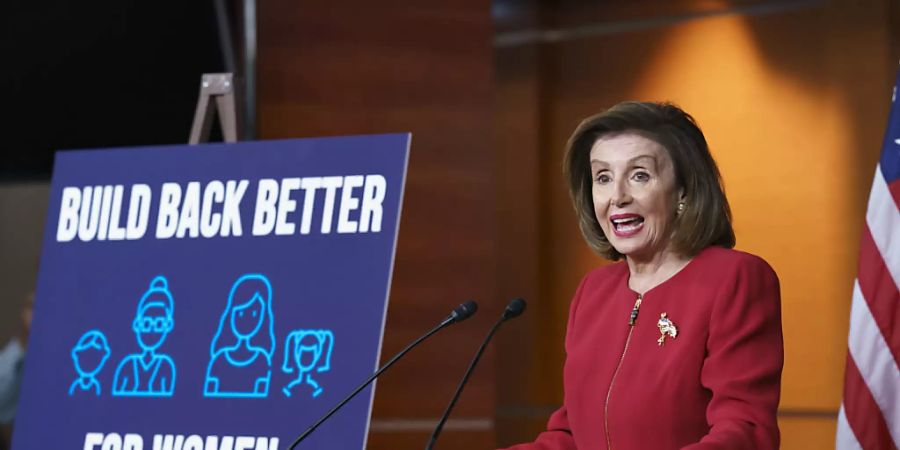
[{"x": 680, "y": 207}]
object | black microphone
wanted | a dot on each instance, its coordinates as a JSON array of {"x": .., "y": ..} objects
[
  {"x": 460, "y": 313},
  {"x": 514, "y": 309}
]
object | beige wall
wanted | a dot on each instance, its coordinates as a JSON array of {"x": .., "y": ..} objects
[{"x": 23, "y": 209}]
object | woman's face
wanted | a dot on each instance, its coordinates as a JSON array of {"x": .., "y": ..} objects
[
  {"x": 247, "y": 318},
  {"x": 634, "y": 193},
  {"x": 152, "y": 326}
]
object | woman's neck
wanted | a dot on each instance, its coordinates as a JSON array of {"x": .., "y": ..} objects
[{"x": 649, "y": 272}]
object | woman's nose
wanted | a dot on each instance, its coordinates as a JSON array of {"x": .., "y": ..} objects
[{"x": 620, "y": 195}]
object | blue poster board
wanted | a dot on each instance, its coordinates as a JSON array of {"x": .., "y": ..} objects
[{"x": 219, "y": 296}]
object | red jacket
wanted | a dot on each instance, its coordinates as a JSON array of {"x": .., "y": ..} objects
[{"x": 715, "y": 385}]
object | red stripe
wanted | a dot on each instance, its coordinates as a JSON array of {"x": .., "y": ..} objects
[
  {"x": 880, "y": 292},
  {"x": 863, "y": 414},
  {"x": 894, "y": 189}
]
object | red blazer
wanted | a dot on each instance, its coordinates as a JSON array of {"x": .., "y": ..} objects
[{"x": 715, "y": 385}]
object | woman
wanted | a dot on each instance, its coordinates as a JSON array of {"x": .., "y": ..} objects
[
  {"x": 240, "y": 362},
  {"x": 679, "y": 345},
  {"x": 149, "y": 373}
]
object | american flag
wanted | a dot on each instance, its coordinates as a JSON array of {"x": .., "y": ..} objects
[{"x": 869, "y": 417}]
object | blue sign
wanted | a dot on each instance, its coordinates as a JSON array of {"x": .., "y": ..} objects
[{"x": 221, "y": 296}]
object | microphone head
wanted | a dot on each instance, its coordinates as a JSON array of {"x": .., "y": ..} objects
[
  {"x": 464, "y": 311},
  {"x": 515, "y": 308}
]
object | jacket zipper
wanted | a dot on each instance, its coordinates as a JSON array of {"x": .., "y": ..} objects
[{"x": 632, "y": 319}]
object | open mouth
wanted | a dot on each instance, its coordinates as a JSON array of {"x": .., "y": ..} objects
[{"x": 625, "y": 225}]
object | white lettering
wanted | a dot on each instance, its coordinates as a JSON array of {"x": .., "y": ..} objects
[
  {"x": 112, "y": 441},
  {"x": 116, "y": 232},
  {"x": 286, "y": 205},
  {"x": 265, "y": 214},
  {"x": 348, "y": 203},
  {"x": 310, "y": 185},
  {"x": 138, "y": 212},
  {"x": 231, "y": 209},
  {"x": 209, "y": 221},
  {"x": 89, "y": 218},
  {"x": 212, "y": 443},
  {"x": 92, "y": 440},
  {"x": 167, "y": 220},
  {"x": 67, "y": 228},
  {"x": 193, "y": 442},
  {"x": 244, "y": 443},
  {"x": 105, "y": 206},
  {"x": 189, "y": 220},
  {"x": 133, "y": 442},
  {"x": 373, "y": 197},
  {"x": 330, "y": 184}
]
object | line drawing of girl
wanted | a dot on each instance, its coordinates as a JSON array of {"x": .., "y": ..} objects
[
  {"x": 89, "y": 356},
  {"x": 241, "y": 351},
  {"x": 149, "y": 374},
  {"x": 307, "y": 350}
]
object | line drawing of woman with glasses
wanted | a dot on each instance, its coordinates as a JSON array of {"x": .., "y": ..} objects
[
  {"x": 149, "y": 374},
  {"x": 241, "y": 351}
]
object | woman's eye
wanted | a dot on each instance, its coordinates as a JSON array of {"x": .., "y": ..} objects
[
  {"x": 641, "y": 176},
  {"x": 603, "y": 178}
]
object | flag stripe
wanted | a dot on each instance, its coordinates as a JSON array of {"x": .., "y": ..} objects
[
  {"x": 883, "y": 219},
  {"x": 880, "y": 293},
  {"x": 894, "y": 188},
  {"x": 874, "y": 373},
  {"x": 862, "y": 412},
  {"x": 846, "y": 440}
]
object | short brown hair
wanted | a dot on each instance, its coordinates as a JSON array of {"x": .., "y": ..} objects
[{"x": 706, "y": 219}]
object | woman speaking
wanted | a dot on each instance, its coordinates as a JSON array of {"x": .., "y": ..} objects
[{"x": 679, "y": 344}]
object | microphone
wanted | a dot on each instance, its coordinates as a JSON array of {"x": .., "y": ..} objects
[
  {"x": 460, "y": 313},
  {"x": 514, "y": 309}
]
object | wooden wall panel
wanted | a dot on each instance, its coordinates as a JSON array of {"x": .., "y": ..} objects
[{"x": 350, "y": 67}]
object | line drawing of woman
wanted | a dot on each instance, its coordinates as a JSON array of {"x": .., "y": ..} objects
[
  {"x": 241, "y": 351},
  {"x": 149, "y": 374},
  {"x": 311, "y": 350},
  {"x": 89, "y": 356}
]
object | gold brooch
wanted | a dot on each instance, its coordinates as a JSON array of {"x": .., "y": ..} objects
[{"x": 666, "y": 328}]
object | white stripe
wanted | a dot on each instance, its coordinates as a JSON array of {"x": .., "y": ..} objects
[
  {"x": 876, "y": 364},
  {"x": 845, "y": 439},
  {"x": 883, "y": 219}
]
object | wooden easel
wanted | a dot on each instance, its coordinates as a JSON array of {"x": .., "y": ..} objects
[{"x": 219, "y": 86}]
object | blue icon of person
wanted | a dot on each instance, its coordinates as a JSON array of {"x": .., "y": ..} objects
[
  {"x": 307, "y": 351},
  {"x": 241, "y": 352},
  {"x": 89, "y": 356},
  {"x": 149, "y": 374}
]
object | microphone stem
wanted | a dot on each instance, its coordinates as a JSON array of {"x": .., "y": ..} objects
[
  {"x": 462, "y": 384},
  {"x": 409, "y": 347}
]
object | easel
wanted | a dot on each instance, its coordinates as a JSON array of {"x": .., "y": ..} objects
[{"x": 219, "y": 86}]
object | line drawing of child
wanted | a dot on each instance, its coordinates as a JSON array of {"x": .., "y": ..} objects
[
  {"x": 89, "y": 356},
  {"x": 308, "y": 351}
]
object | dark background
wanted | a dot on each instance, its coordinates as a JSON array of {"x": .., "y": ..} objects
[{"x": 99, "y": 74}]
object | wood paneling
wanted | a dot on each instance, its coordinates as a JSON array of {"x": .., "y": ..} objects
[{"x": 350, "y": 67}]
